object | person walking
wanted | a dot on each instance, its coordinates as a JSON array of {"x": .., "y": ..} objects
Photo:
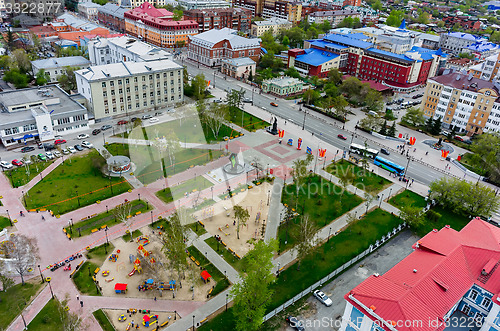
[
  {"x": 77, "y": 297},
  {"x": 81, "y": 303}
]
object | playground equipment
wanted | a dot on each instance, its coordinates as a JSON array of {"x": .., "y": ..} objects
[
  {"x": 308, "y": 150},
  {"x": 105, "y": 273},
  {"x": 290, "y": 142},
  {"x": 110, "y": 280},
  {"x": 299, "y": 144},
  {"x": 137, "y": 268},
  {"x": 122, "y": 318},
  {"x": 113, "y": 257},
  {"x": 205, "y": 276},
  {"x": 143, "y": 240},
  {"x": 149, "y": 320},
  {"x": 172, "y": 285},
  {"x": 208, "y": 212},
  {"x": 225, "y": 233},
  {"x": 67, "y": 268},
  {"x": 121, "y": 288}
]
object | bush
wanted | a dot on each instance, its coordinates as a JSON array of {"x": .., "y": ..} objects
[{"x": 433, "y": 216}]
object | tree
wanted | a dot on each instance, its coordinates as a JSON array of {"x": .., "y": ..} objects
[
  {"x": 464, "y": 55},
  {"x": 310, "y": 96},
  {"x": 69, "y": 321},
  {"x": 22, "y": 253},
  {"x": 122, "y": 213},
  {"x": 340, "y": 104},
  {"x": 41, "y": 78},
  {"x": 346, "y": 23},
  {"x": 335, "y": 76},
  {"x": 241, "y": 215},
  {"x": 67, "y": 80},
  {"x": 436, "y": 126},
  {"x": 371, "y": 123},
  {"x": 4, "y": 279},
  {"x": 285, "y": 41},
  {"x": 10, "y": 40},
  {"x": 178, "y": 15},
  {"x": 17, "y": 78},
  {"x": 413, "y": 116},
  {"x": 392, "y": 130},
  {"x": 383, "y": 130},
  {"x": 373, "y": 100},
  {"x": 413, "y": 216},
  {"x": 377, "y": 5},
  {"x": 395, "y": 18},
  {"x": 428, "y": 123},
  {"x": 486, "y": 150},
  {"x": 299, "y": 173},
  {"x": 369, "y": 197},
  {"x": 20, "y": 61},
  {"x": 199, "y": 86},
  {"x": 234, "y": 98},
  {"x": 423, "y": 18},
  {"x": 252, "y": 294},
  {"x": 216, "y": 117},
  {"x": 346, "y": 177},
  {"x": 495, "y": 37},
  {"x": 305, "y": 239},
  {"x": 174, "y": 246},
  {"x": 292, "y": 72},
  {"x": 351, "y": 86}
]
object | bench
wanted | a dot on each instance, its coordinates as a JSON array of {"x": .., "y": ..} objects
[
  {"x": 71, "y": 274},
  {"x": 197, "y": 263},
  {"x": 210, "y": 292},
  {"x": 93, "y": 215},
  {"x": 79, "y": 265},
  {"x": 97, "y": 270},
  {"x": 83, "y": 219},
  {"x": 164, "y": 323},
  {"x": 201, "y": 223},
  {"x": 192, "y": 258},
  {"x": 204, "y": 320},
  {"x": 104, "y": 226},
  {"x": 68, "y": 235},
  {"x": 229, "y": 248},
  {"x": 139, "y": 212},
  {"x": 223, "y": 243},
  {"x": 64, "y": 230},
  {"x": 237, "y": 256},
  {"x": 94, "y": 230}
]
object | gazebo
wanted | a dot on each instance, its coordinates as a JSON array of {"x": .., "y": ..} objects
[{"x": 205, "y": 276}]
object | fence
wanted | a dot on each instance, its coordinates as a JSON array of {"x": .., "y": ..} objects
[{"x": 336, "y": 272}]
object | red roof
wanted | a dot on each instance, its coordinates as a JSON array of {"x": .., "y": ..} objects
[
  {"x": 377, "y": 86},
  {"x": 430, "y": 281},
  {"x": 120, "y": 287},
  {"x": 205, "y": 275},
  {"x": 150, "y": 10}
]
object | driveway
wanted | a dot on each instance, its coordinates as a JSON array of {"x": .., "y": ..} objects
[{"x": 320, "y": 317}]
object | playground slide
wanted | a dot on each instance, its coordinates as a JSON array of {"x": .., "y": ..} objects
[{"x": 132, "y": 272}]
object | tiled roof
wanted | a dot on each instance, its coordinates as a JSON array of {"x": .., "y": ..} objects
[
  {"x": 430, "y": 281},
  {"x": 72, "y": 61},
  {"x": 347, "y": 41}
]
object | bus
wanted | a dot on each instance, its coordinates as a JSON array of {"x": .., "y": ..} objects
[
  {"x": 388, "y": 165},
  {"x": 362, "y": 150}
]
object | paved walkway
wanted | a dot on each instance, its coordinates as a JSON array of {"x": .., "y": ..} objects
[{"x": 275, "y": 209}]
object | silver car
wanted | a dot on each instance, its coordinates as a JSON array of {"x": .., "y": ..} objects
[{"x": 323, "y": 298}]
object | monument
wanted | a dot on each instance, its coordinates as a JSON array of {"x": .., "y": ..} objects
[
  {"x": 274, "y": 129},
  {"x": 235, "y": 166}
]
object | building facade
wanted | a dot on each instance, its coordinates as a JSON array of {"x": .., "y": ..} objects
[
  {"x": 462, "y": 101},
  {"x": 289, "y": 10},
  {"x": 488, "y": 69},
  {"x": 156, "y": 26},
  {"x": 204, "y": 4},
  {"x": 242, "y": 68},
  {"x": 211, "y": 47},
  {"x": 277, "y": 25},
  {"x": 53, "y": 67},
  {"x": 119, "y": 89},
  {"x": 465, "y": 21},
  {"x": 455, "y": 42},
  {"x": 121, "y": 49},
  {"x": 89, "y": 10},
  {"x": 449, "y": 277},
  {"x": 38, "y": 114},
  {"x": 234, "y": 18},
  {"x": 283, "y": 86},
  {"x": 332, "y": 16},
  {"x": 112, "y": 16}
]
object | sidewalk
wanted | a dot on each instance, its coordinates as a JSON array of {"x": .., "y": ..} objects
[{"x": 275, "y": 209}]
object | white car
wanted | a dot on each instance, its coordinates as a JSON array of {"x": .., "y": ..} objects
[
  {"x": 49, "y": 155},
  {"x": 71, "y": 150},
  {"x": 5, "y": 165},
  {"x": 87, "y": 144},
  {"x": 323, "y": 298},
  {"x": 82, "y": 136},
  {"x": 65, "y": 151},
  {"x": 57, "y": 154},
  {"x": 153, "y": 120}
]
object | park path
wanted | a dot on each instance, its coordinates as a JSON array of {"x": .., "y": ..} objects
[{"x": 275, "y": 210}]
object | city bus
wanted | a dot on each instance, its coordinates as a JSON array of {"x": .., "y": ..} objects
[
  {"x": 388, "y": 165},
  {"x": 362, "y": 150}
]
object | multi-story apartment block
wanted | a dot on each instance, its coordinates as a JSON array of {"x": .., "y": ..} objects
[
  {"x": 455, "y": 42},
  {"x": 463, "y": 101},
  {"x": 157, "y": 26},
  {"x": 38, "y": 114},
  {"x": 210, "y": 47},
  {"x": 277, "y": 25},
  {"x": 355, "y": 56},
  {"x": 488, "y": 69},
  {"x": 289, "y": 10},
  {"x": 204, "y": 4},
  {"x": 112, "y": 16},
  {"x": 332, "y": 16},
  {"x": 368, "y": 15},
  {"x": 121, "y": 49},
  {"x": 218, "y": 18},
  {"x": 450, "y": 278},
  {"x": 127, "y": 87}
]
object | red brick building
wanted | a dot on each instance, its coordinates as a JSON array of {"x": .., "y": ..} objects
[
  {"x": 43, "y": 31},
  {"x": 466, "y": 22},
  {"x": 234, "y": 18}
]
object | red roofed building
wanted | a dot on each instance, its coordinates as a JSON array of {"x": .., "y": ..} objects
[
  {"x": 43, "y": 31},
  {"x": 157, "y": 26},
  {"x": 450, "y": 277}
]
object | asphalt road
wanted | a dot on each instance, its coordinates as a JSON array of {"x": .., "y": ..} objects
[{"x": 289, "y": 111}]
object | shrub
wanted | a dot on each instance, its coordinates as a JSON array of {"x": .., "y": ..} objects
[{"x": 433, "y": 216}]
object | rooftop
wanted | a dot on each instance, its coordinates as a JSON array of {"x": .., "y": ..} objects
[
  {"x": 467, "y": 36},
  {"x": 283, "y": 81},
  {"x": 460, "y": 81},
  {"x": 150, "y": 10},
  {"x": 483, "y": 47},
  {"x": 142, "y": 49},
  {"x": 113, "y": 9},
  {"x": 125, "y": 69},
  {"x": 58, "y": 62},
  {"x": 241, "y": 61},
  {"x": 315, "y": 57},
  {"x": 334, "y": 13},
  {"x": 89, "y": 4},
  {"x": 428, "y": 283},
  {"x": 345, "y": 40},
  {"x": 212, "y": 37},
  {"x": 273, "y": 21},
  {"x": 391, "y": 55}
]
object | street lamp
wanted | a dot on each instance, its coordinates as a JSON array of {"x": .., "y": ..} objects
[
  {"x": 151, "y": 218},
  {"x": 51, "y": 292},
  {"x": 107, "y": 242},
  {"x": 329, "y": 233},
  {"x": 78, "y": 198},
  {"x": 268, "y": 196},
  {"x": 103, "y": 139},
  {"x": 381, "y": 198},
  {"x": 212, "y": 189},
  {"x": 24, "y": 321},
  {"x": 43, "y": 279},
  {"x": 139, "y": 195},
  {"x": 24, "y": 198},
  {"x": 227, "y": 295},
  {"x": 407, "y": 165},
  {"x": 278, "y": 271},
  {"x": 214, "y": 78},
  {"x": 107, "y": 211},
  {"x": 304, "y": 121},
  {"x": 8, "y": 215},
  {"x": 193, "y": 315}
]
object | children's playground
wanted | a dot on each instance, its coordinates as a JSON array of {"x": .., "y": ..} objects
[
  {"x": 128, "y": 319},
  {"x": 139, "y": 269},
  {"x": 219, "y": 220}
]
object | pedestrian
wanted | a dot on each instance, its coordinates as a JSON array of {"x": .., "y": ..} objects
[
  {"x": 81, "y": 303},
  {"x": 414, "y": 150},
  {"x": 427, "y": 153},
  {"x": 155, "y": 299},
  {"x": 43, "y": 218},
  {"x": 77, "y": 297}
]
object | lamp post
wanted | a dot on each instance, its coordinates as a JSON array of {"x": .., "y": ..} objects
[
  {"x": 103, "y": 139},
  {"x": 227, "y": 295},
  {"x": 24, "y": 198},
  {"x": 89, "y": 272},
  {"x": 107, "y": 242},
  {"x": 139, "y": 195},
  {"x": 8, "y": 215},
  {"x": 51, "y": 292},
  {"x": 78, "y": 198},
  {"x": 304, "y": 121},
  {"x": 41, "y": 276},
  {"x": 390, "y": 191},
  {"x": 24, "y": 321},
  {"x": 212, "y": 189},
  {"x": 214, "y": 78},
  {"x": 381, "y": 198},
  {"x": 329, "y": 233},
  {"x": 151, "y": 218},
  {"x": 107, "y": 211},
  {"x": 193, "y": 315},
  {"x": 268, "y": 197},
  {"x": 407, "y": 165},
  {"x": 278, "y": 271}
]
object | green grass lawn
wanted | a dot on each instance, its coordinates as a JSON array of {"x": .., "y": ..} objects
[
  {"x": 221, "y": 281},
  {"x": 250, "y": 122},
  {"x": 238, "y": 264},
  {"x": 15, "y": 299},
  {"x": 197, "y": 228},
  {"x": 321, "y": 200},
  {"x": 85, "y": 227},
  {"x": 103, "y": 320},
  {"x": 147, "y": 160},
  {"x": 83, "y": 282},
  {"x": 364, "y": 180},
  {"x": 98, "y": 253},
  {"x": 170, "y": 194},
  {"x": 466, "y": 161},
  {"x": 58, "y": 191},
  {"x": 4, "y": 222},
  {"x": 448, "y": 217},
  {"x": 322, "y": 261},
  {"x": 19, "y": 177},
  {"x": 135, "y": 234},
  {"x": 47, "y": 319}
]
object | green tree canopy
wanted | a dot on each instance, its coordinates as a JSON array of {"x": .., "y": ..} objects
[
  {"x": 395, "y": 18},
  {"x": 413, "y": 116}
]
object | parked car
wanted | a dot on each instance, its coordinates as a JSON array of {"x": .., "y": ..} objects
[
  {"x": 295, "y": 323},
  {"x": 133, "y": 119},
  {"x": 153, "y": 120},
  {"x": 445, "y": 133},
  {"x": 247, "y": 100},
  {"x": 384, "y": 151},
  {"x": 122, "y": 122},
  {"x": 27, "y": 161},
  {"x": 49, "y": 155},
  {"x": 5, "y": 165},
  {"x": 59, "y": 141},
  {"x": 274, "y": 104},
  {"x": 416, "y": 96},
  {"x": 159, "y": 113},
  {"x": 71, "y": 150},
  {"x": 106, "y": 127},
  {"x": 146, "y": 116},
  {"x": 341, "y": 137},
  {"x": 42, "y": 157},
  {"x": 27, "y": 149},
  {"x": 49, "y": 147},
  {"x": 17, "y": 162},
  {"x": 78, "y": 147},
  {"x": 57, "y": 154},
  {"x": 82, "y": 136},
  {"x": 217, "y": 101},
  {"x": 96, "y": 132},
  {"x": 323, "y": 298},
  {"x": 171, "y": 110},
  {"x": 458, "y": 138},
  {"x": 40, "y": 146},
  {"x": 86, "y": 144},
  {"x": 65, "y": 151}
]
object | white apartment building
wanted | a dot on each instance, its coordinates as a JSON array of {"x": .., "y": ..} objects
[
  {"x": 455, "y": 42},
  {"x": 332, "y": 16},
  {"x": 121, "y": 49},
  {"x": 204, "y": 4},
  {"x": 277, "y": 25},
  {"x": 119, "y": 89},
  {"x": 54, "y": 66}
]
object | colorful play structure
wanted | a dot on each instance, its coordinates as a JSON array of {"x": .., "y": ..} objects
[
  {"x": 225, "y": 233},
  {"x": 205, "y": 276},
  {"x": 121, "y": 288},
  {"x": 137, "y": 267},
  {"x": 113, "y": 257},
  {"x": 149, "y": 320}
]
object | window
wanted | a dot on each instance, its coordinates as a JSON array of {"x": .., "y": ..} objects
[
  {"x": 111, "y": 83},
  {"x": 473, "y": 295},
  {"x": 103, "y": 84},
  {"x": 486, "y": 303}
]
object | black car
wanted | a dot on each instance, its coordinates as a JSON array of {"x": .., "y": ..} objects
[
  {"x": 96, "y": 132},
  {"x": 384, "y": 151},
  {"x": 295, "y": 323},
  {"x": 49, "y": 147},
  {"x": 133, "y": 119},
  {"x": 78, "y": 148},
  {"x": 27, "y": 149},
  {"x": 106, "y": 127},
  {"x": 416, "y": 96}
]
